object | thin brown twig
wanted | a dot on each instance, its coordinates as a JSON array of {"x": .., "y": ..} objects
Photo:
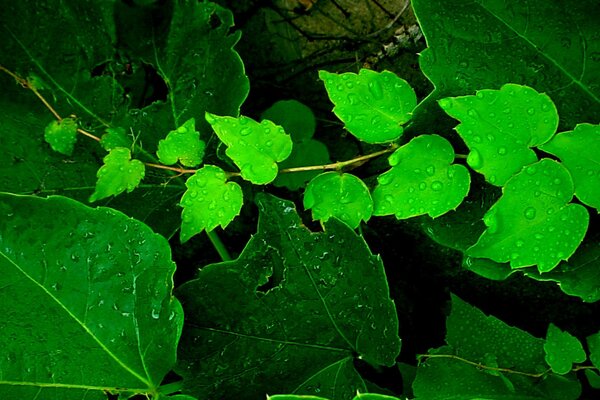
[{"x": 181, "y": 171}]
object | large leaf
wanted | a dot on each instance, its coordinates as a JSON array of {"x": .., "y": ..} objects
[
  {"x": 548, "y": 45},
  {"x": 88, "y": 300},
  {"x": 285, "y": 306}
]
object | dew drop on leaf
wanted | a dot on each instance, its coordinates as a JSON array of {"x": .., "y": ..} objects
[
  {"x": 529, "y": 213},
  {"x": 474, "y": 159}
]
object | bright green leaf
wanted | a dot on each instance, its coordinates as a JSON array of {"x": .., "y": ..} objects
[
  {"x": 62, "y": 135},
  {"x": 578, "y": 150},
  {"x": 254, "y": 147},
  {"x": 372, "y": 105},
  {"x": 209, "y": 201},
  {"x": 284, "y": 305},
  {"x": 119, "y": 173},
  {"x": 487, "y": 268},
  {"x": 306, "y": 153},
  {"x": 500, "y": 126},
  {"x": 562, "y": 350},
  {"x": 339, "y": 195},
  {"x": 88, "y": 295},
  {"x": 593, "y": 342},
  {"x": 422, "y": 180},
  {"x": 294, "y": 117},
  {"x": 533, "y": 222},
  {"x": 183, "y": 145},
  {"x": 115, "y": 137}
]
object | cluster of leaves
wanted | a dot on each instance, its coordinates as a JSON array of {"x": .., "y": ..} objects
[{"x": 297, "y": 308}]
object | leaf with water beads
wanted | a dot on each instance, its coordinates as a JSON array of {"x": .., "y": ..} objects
[
  {"x": 339, "y": 195},
  {"x": 119, "y": 173},
  {"x": 578, "y": 150},
  {"x": 372, "y": 105},
  {"x": 115, "y": 137},
  {"x": 209, "y": 201},
  {"x": 254, "y": 147},
  {"x": 533, "y": 222},
  {"x": 62, "y": 135},
  {"x": 422, "y": 180},
  {"x": 183, "y": 145},
  {"x": 562, "y": 350},
  {"x": 500, "y": 126}
]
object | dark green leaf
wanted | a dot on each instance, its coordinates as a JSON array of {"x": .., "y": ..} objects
[
  {"x": 296, "y": 119},
  {"x": 115, "y": 137},
  {"x": 306, "y": 153},
  {"x": 593, "y": 342}
]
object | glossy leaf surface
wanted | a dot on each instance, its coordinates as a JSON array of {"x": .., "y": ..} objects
[
  {"x": 284, "y": 305},
  {"x": 491, "y": 345},
  {"x": 578, "y": 151},
  {"x": 209, "y": 201},
  {"x": 500, "y": 126},
  {"x": 119, "y": 173},
  {"x": 62, "y": 135},
  {"x": 562, "y": 350},
  {"x": 533, "y": 222},
  {"x": 339, "y": 195},
  {"x": 254, "y": 147},
  {"x": 183, "y": 145},
  {"x": 88, "y": 293},
  {"x": 372, "y": 105},
  {"x": 422, "y": 180}
]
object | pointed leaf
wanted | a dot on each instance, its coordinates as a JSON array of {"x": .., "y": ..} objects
[
  {"x": 254, "y": 147},
  {"x": 88, "y": 294},
  {"x": 284, "y": 305},
  {"x": 422, "y": 180},
  {"x": 372, "y": 105},
  {"x": 183, "y": 145},
  {"x": 294, "y": 117},
  {"x": 339, "y": 195},
  {"x": 578, "y": 150},
  {"x": 562, "y": 350},
  {"x": 500, "y": 126},
  {"x": 62, "y": 135},
  {"x": 119, "y": 173},
  {"x": 209, "y": 201},
  {"x": 533, "y": 222}
]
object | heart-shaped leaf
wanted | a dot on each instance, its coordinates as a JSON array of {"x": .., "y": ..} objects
[{"x": 119, "y": 173}]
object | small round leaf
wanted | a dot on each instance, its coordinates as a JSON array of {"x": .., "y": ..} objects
[
  {"x": 62, "y": 135},
  {"x": 183, "y": 145}
]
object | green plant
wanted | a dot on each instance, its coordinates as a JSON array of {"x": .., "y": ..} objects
[{"x": 297, "y": 308}]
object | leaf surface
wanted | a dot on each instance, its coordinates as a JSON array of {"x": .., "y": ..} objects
[
  {"x": 88, "y": 294},
  {"x": 306, "y": 153},
  {"x": 284, "y": 304},
  {"x": 533, "y": 222},
  {"x": 119, "y": 173},
  {"x": 62, "y": 135},
  {"x": 183, "y": 145},
  {"x": 254, "y": 147},
  {"x": 500, "y": 126},
  {"x": 562, "y": 350},
  {"x": 372, "y": 105},
  {"x": 593, "y": 342},
  {"x": 422, "y": 180},
  {"x": 294, "y": 117},
  {"x": 339, "y": 195}
]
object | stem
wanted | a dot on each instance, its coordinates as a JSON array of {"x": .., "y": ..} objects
[
  {"x": 171, "y": 388},
  {"x": 180, "y": 170},
  {"x": 463, "y": 156},
  {"x": 218, "y": 245}
]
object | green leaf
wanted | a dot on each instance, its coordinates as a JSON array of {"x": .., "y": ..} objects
[
  {"x": 284, "y": 305},
  {"x": 339, "y": 195},
  {"x": 491, "y": 42},
  {"x": 562, "y": 350},
  {"x": 488, "y": 268},
  {"x": 460, "y": 370},
  {"x": 533, "y": 222},
  {"x": 306, "y": 153},
  {"x": 115, "y": 137},
  {"x": 500, "y": 126},
  {"x": 294, "y": 117},
  {"x": 422, "y": 180},
  {"x": 593, "y": 378},
  {"x": 578, "y": 150},
  {"x": 88, "y": 293},
  {"x": 209, "y": 201},
  {"x": 593, "y": 342},
  {"x": 119, "y": 173},
  {"x": 182, "y": 144},
  {"x": 254, "y": 147},
  {"x": 62, "y": 135},
  {"x": 372, "y": 105}
]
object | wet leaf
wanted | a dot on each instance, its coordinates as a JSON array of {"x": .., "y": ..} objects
[
  {"x": 209, "y": 201},
  {"x": 372, "y": 105},
  {"x": 62, "y": 135},
  {"x": 119, "y": 173},
  {"x": 183, "y": 145},
  {"x": 115, "y": 137},
  {"x": 562, "y": 350},
  {"x": 284, "y": 305},
  {"x": 500, "y": 127},
  {"x": 254, "y": 147},
  {"x": 294, "y": 117},
  {"x": 422, "y": 180},
  {"x": 533, "y": 222},
  {"x": 578, "y": 151},
  {"x": 104, "y": 280},
  {"x": 339, "y": 195}
]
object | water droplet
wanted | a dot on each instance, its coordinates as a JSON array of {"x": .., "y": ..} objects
[
  {"x": 474, "y": 159},
  {"x": 531, "y": 111},
  {"x": 155, "y": 313},
  {"x": 529, "y": 213},
  {"x": 385, "y": 179},
  {"x": 388, "y": 198},
  {"x": 430, "y": 170},
  {"x": 376, "y": 89},
  {"x": 394, "y": 159},
  {"x": 519, "y": 243},
  {"x": 531, "y": 170},
  {"x": 437, "y": 186},
  {"x": 491, "y": 222},
  {"x": 422, "y": 186},
  {"x": 473, "y": 113},
  {"x": 353, "y": 98},
  {"x": 502, "y": 151}
]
